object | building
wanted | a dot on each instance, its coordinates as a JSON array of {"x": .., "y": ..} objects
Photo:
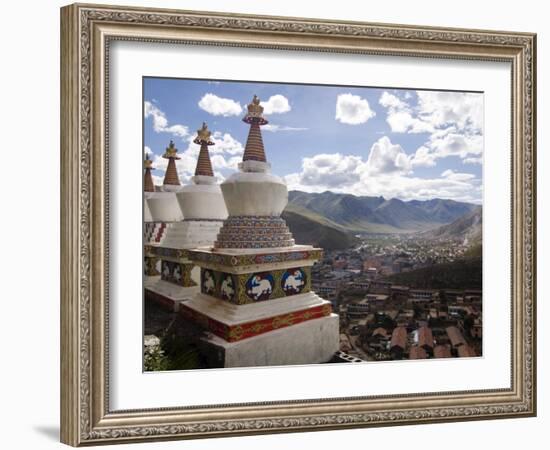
[
  {"x": 452, "y": 294},
  {"x": 399, "y": 292},
  {"x": 360, "y": 285},
  {"x": 398, "y": 343},
  {"x": 371, "y": 273},
  {"x": 423, "y": 295},
  {"x": 328, "y": 291},
  {"x": 425, "y": 339},
  {"x": 380, "y": 287},
  {"x": 465, "y": 351},
  {"x": 477, "y": 329},
  {"x": 442, "y": 351},
  {"x": 377, "y": 300},
  {"x": 455, "y": 336},
  {"x": 255, "y": 296},
  {"x": 416, "y": 352},
  {"x": 359, "y": 308}
]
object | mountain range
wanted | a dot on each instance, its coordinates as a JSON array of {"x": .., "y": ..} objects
[
  {"x": 332, "y": 220},
  {"x": 376, "y": 214},
  {"x": 467, "y": 228}
]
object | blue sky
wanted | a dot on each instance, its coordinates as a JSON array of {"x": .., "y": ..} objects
[{"x": 365, "y": 141}]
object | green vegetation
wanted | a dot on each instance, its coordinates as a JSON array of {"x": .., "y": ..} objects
[
  {"x": 309, "y": 228},
  {"x": 464, "y": 273},
  {"x": 475, "y": 251}
]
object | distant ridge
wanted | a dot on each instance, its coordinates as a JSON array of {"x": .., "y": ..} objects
[
  {"x": 467, "y": 228},
  {"x": 347, "y": 212}
]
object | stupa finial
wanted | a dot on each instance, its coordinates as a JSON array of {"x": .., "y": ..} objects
[
  {"x": 171, "y": 175},
  {"x": 171, "y": 151},
  {"x": 204, "y": 165},
  {"x": 203, "y": 135},
  {"x": 148, "y": 185},
  {"x": 255, "y": 112},
  {"x": 254, "y": 149}
]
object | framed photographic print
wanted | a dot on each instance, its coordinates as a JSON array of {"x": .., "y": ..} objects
[{"x": 278, "y": 224}]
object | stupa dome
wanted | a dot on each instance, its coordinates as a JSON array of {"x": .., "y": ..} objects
[
  {"x": 255, "y": 198},
  {"x": 203, "y": 198},
  {"x": 253, "y": 191}
]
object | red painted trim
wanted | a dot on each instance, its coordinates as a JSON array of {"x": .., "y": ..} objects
[{"x": 234, "y": 333}]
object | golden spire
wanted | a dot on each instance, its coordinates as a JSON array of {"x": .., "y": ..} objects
[
  {"x": 255, "y": 112},
  {"x": 148, "y": 185},
  {"x": 171, "y": 151},
  {"x": 171, "y": 175},
  {"x": 254, "y": 149},
  {"x": 204, "y": 165}
]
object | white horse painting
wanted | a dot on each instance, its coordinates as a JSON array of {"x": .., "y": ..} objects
[
  {"x": 227, "y": 288},
  {"x": 294, "y": 281},
  {"x": 166, "y": 271},
  {"x": 177, "y": 274},
  {"x": 208, "y": 284},
  {"x": 259, "y": 287}
]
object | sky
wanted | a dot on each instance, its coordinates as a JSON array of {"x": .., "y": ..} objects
[{"x": 395, "y": 143}]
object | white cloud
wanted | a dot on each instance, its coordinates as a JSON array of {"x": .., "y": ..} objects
[
  {"x": 277, "y": 104},
  {"x": 453, "y": 119},
  {"x": 219, "y": 106},
  {"x": 386, "y": 172},
  {"x": 441, "y": 144},
  {"x": 352, "y": 109},
  {"x": 434, "y": 110},
  {"x": 423, "y": 157},
  {"x": 400, "y": 116},
  {"x": 385, "y": 157},
  {"x": 274, "y": 128},
  {"x": 457, "y": 176},
  {"x": 160, "y": 122},
  {"x": 329, "y": 170},
  {"x": 473, "y": 160},
  {"x": 461, "y": 109},
  {"x": 157, "y": 180}
]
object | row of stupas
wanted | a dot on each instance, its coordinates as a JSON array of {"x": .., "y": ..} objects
[
  {"x": 182, "y": 217},
  {"x": 254, "y": 295}
]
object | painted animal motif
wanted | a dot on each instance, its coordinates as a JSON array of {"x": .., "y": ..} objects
[
  {"x": 227, "y": 288},
  {"x": 166, "y": 271},
  {"x": 294, "y": 281},
  {"x": 177, "y": 274},
  {"x": 208, "y": 284},
  {"x": 259, "y": 287}
]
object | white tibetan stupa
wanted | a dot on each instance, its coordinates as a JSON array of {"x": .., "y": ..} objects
[
  {"x": 255, "y": 290},
  {"x": 203, "y": 210},
  {"x": 152, "y": 231}
]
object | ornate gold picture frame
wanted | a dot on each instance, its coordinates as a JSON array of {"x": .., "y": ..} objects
[{"x": 87, "y": 31}]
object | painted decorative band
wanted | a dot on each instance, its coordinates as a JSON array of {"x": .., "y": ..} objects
[{"x": 234, "y": 333}]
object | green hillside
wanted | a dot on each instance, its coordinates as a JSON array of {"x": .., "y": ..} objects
[
  {"x": 309, "y": 228},
  {"x": 461, "y": 274}
]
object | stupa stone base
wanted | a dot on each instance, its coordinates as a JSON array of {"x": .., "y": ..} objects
[
  {"x": 191, "y": 233},
  {"x": 237, "y": 322},
  {"x": 150, "y": 280},
  {"x": 168, "y": 295},
  {"x": 312, "y": 342}
]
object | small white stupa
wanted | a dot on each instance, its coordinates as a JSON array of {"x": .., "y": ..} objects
[
  {"x": 163, "y": 204},
  {"x": 204, "y": 210},
  {"x": 152, "y": 230},
  {"x": 255, "y": 296}
]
